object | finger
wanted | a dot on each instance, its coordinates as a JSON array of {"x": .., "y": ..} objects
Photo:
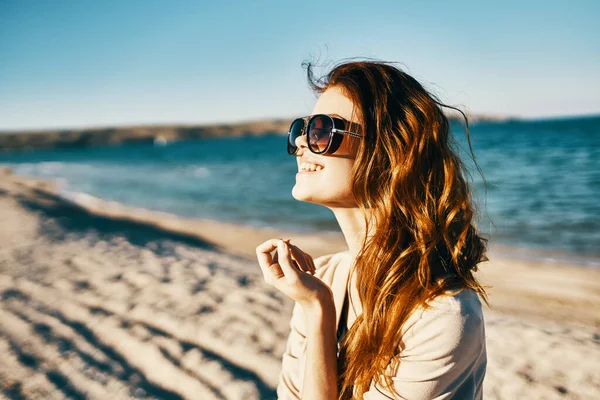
[
  {"x": 263, "y": 254},
  {"x": 275, "y": 273},
  {"x": 298, "y": 262},
  {"x": 296, "y": 257},
  {"x": 276, "y": 260},
  {"x": 308, "y": 261},
  {"x": 305, "y": 264},
  {"x": 301, "y": 257},
  {"x": 286, "y": 262},
  {"x": 312, "y": 264}
]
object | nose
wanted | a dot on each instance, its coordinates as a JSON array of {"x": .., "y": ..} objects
[{"x": 301, "y": 141}]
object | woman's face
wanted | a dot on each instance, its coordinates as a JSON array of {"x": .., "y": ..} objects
[{"x": 331, "y": 185}]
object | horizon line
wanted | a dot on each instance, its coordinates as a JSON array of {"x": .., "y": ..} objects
[{"x": 473, "y": 117}]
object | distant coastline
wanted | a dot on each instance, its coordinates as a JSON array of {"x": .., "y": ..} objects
[
  {"x": 114, "y": 136},
  {"x": 160, "y": 135}
]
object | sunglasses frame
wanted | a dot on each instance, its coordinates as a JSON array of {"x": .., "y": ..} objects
[{"x": 334, "y": 121}]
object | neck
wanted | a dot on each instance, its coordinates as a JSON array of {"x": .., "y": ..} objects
[{"x": 353, "y": 226}]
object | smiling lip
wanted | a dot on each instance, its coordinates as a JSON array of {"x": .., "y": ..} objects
[
  {"x": 305, "y": 160},
  {"x": 306, "y": 172},
  {"x": 309, "y": 167}
]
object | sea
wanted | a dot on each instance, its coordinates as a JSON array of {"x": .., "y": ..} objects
[{"x": 539, "y": 195}]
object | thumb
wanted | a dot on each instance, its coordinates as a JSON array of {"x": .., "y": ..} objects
[{"x": 286, "y": 262}]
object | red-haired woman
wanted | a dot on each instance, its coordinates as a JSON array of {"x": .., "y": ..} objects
[{"x": 398, "y": 314}]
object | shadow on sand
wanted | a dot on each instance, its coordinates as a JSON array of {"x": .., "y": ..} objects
[{"x": 70, "y": 218}]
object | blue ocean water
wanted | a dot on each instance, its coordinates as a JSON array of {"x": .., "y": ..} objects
[{"x": 543, "y": 181}]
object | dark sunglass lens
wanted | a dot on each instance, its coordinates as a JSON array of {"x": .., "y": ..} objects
[
  {"x": 294, "y": 133},
  {"x": 318, "y": 133}
]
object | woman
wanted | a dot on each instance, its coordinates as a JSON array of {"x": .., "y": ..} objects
[{"x": 397, "y": 315}]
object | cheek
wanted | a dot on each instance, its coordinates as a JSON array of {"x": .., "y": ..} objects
[
  {"x": 335, "y": 182},
  {"x": 338, "y": 175}
]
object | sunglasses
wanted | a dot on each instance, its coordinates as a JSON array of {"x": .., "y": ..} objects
[{"x": 324, "y": 133}]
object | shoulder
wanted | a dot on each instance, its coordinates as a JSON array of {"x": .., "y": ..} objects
[
  {"x": 442, "y": 352},
  {"x": 451, "y": 323}
]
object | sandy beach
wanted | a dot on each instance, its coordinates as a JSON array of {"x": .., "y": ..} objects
[{"x": 107, "y": 302}]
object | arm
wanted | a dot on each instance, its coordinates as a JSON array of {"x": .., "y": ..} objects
[
  {"x": 292, "y": 366},
  {"x": 320, "y": 373},
  {"x": 293, "y": 360}
]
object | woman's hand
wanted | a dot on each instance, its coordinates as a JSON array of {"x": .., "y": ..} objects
[{"x": 291, "y": 271}]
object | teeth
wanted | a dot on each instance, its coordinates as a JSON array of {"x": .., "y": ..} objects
[{"x": 310, "y": 167}]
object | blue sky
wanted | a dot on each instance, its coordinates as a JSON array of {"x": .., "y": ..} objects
[{"x": 97, "y": 63}]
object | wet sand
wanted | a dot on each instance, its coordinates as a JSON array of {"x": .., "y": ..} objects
[{"x": 109, "y": 302}]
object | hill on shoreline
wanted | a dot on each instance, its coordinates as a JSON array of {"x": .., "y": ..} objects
[{"x": 114, "y": 136}]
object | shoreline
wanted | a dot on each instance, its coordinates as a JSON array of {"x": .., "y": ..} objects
[
  {"x": 527, "y": 254},
  {"x": 203, "y": 226},
  {"x": 230, "y": 237}
]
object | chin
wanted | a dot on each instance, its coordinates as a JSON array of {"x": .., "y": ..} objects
[
  {"x": 304, "y": 194},
  {"x": 299, "y": 194},
  {"x": 342, "y": 198}
]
